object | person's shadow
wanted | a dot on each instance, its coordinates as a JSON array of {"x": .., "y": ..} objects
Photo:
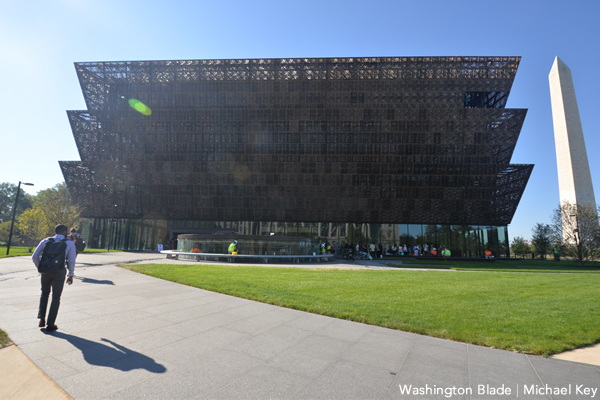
[
  {"x": 120, "y": 358},
  {"x": 96, "y": 281}
]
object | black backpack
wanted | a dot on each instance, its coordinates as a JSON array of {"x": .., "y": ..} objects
[
  {"x": 53, "y": 256},
  {"x": 80, "y": 246}
]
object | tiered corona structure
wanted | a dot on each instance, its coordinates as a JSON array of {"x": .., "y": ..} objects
[{"x": 393, "y": 142}]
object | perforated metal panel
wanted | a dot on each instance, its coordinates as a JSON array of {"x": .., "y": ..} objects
[{"x": 418, "y": 140}]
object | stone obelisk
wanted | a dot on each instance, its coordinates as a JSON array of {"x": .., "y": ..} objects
[{"x": 574, "y": 178}]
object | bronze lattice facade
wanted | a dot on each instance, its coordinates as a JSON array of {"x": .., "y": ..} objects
[{"x": 396, "y": 140}]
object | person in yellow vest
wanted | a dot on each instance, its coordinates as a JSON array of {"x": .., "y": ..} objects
[
  {"x": 556, "y": 251},
  {"x": 232, "y": 250},
  {"x": 445, "y": 252},
  {"x": 233, "y": 247}
]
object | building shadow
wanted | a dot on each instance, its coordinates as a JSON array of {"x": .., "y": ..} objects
[
  {"x": 96, "y": 281},
  {"x": 115, "y": 356}
]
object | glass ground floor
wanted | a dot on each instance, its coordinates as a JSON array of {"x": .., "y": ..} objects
[{"x": 147, "y": 234}]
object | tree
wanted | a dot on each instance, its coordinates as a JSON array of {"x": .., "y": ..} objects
[
  {"x": 541, "y": 238},
  {"x": 57, "y": 207},
  {"x": 5, "y": 232},
  {"x": 8, "y": 191},
  {"x": 577, "y": 228},
  {"x": 533, "y": 250},
  {"x": 33, "y": 226},
  {"x": 519, "y": 246}
]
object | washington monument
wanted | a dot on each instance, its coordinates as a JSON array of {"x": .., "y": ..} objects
[{"x": 574, "y": 178}]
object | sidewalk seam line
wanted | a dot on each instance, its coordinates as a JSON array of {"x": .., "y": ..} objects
[
  {"x": 534, "y": 370},
  {"x": 401, "y": 365},
  {"x": 469, "y": 368}
]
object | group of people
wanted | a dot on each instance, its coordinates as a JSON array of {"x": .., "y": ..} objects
[
  {"x": 416, "y": 250},
  {"x": 374, "y": 250},
  {"x": 371, "y": 251},
  {"x": 327, "y": 248},
  {"x": 54, "y": 257}
]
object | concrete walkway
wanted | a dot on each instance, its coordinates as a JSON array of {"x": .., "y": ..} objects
[{"x": 124, "y": 335}]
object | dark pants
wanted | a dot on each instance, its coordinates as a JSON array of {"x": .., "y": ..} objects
[{"x": 54, "y": 282}]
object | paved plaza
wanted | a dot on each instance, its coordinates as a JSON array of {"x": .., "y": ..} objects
[{"x": 124, "y": 335}]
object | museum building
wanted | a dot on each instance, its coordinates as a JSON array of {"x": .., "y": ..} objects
[{"x": 289, "y": 152}]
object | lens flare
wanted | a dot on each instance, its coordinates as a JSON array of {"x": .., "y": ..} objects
[{"x": 140, "y": 107}]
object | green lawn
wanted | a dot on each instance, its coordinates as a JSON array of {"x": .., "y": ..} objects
[
  {"x": 536, "y": 313},
  {"x": 500, "y": 265},
  {"x": 100, "y": 251},
  {"x": 16, "y": 251},
  {"x": 4, "y": 339}
]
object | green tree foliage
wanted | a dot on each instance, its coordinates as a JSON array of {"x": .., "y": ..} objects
[
  {"x": 541, "y": 238},
  {"x": 33, "y": 225},
  {"x": 577, "y": 228},
  {"x": 5, "y": 232},
  {"x": 519, "y": 246},
  {"x": 36, "y": 215},
  {"x": 8, "y": 192},
  {"x": 57, "y": 207}
]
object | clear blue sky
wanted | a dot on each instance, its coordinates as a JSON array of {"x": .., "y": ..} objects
[{"x": 40, "y": 40}]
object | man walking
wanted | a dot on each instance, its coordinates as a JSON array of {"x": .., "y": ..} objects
[{"x": 54, "y": 280}]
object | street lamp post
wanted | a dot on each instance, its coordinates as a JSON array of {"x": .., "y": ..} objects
[
  {"x": 578, "y": 239},
  {"x": 112, "y": 222},
  {"x": 578, "y": 244},
  {"x": 14, "y": 215}
]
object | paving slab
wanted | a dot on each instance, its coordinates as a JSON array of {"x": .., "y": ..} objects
[
  {"x": 585, "y": 355},
  {"x": 33, "y": 383},
  {"x": 124, "y": 335}
]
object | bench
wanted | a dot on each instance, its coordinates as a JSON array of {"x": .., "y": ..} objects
[{"x": 264, "y": 258}]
